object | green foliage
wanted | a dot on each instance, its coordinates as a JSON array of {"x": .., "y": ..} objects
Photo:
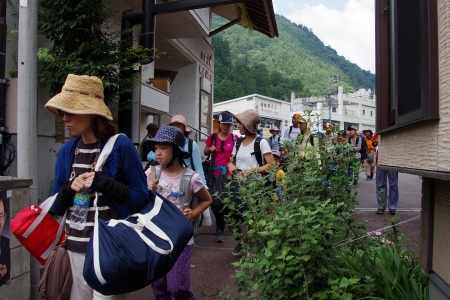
[
  {"x": 298, "y": 55},
  {"x": 310, "y": 246},
  {"x": 383, "y": 269},
  {"x": 84, "y": 43}
]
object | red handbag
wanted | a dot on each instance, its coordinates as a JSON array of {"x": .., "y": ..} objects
[{"x": 37, "y": 230}]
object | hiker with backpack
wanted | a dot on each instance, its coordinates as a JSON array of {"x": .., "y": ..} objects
[
  {"x": 168, "y": 145},
  {"x": 194, "y": 162},
  {"x": 356, "y": 142},
  {"x": 252, "y": 155},
  {"x": 219, "y": 146},
  {"x": 293, "y": 131}
]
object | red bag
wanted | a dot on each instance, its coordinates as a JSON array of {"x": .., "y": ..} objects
[{"x": 37, "y": 231}]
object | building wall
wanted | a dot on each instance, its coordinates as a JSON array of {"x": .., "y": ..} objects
[{"x": 425, "y": 146}]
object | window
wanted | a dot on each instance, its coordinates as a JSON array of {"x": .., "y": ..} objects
[
  {"x": 334, "y": 109},
  {"x": 364, "y": 112},
  {"x": 371, "y": 113},
  {"x": 406, "y": 62},
  {"x": 205, "y": 114}
]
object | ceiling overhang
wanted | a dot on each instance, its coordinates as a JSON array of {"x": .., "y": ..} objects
[{"x": 260, "y": 12}]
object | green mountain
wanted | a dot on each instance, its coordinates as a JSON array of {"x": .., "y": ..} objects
[{"x": 297, "y": 61}]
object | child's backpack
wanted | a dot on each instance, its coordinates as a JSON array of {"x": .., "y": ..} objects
[{"x": 184, "y": 193}]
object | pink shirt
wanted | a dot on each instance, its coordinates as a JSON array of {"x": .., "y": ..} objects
[
  {"x": 222, "y": 158},
  {"x": 169, "y": 187}
]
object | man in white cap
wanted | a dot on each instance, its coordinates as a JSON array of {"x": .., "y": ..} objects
[{"x": 274, "y": 140}]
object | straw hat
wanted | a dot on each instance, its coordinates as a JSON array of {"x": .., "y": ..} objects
[
  {"x": 250, "y": 119},
  {"x": 80, "y": 95},
  {"x": 182, "y": 120}
]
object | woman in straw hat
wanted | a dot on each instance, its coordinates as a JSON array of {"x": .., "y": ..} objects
[
  {"x": 121, "y": 181},
  {"x": 243, "y": 162}
]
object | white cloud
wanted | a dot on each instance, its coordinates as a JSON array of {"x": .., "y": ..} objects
[{"x": 350, "y": 31}]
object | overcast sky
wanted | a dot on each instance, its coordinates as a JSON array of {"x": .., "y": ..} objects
[{"x": 347, "y": 26}]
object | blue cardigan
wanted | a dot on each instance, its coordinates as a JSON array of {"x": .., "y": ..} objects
[{"x": 123, "y": 165}]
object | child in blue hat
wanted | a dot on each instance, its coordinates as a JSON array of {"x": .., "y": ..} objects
[{"x": 168, "y": 145}]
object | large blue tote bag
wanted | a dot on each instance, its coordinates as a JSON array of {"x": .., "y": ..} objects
[{"x": 127, "y": 255}]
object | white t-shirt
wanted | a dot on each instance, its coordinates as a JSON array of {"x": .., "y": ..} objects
[
  {"x": 244, "y": 158},
  {"x": 294, "y": 133}
]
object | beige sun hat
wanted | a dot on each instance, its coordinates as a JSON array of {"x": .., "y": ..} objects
[
  {"x": 80, "y": 95},
  {"x": 178, "y": 118},
  {"x": 250, "y": 119}
]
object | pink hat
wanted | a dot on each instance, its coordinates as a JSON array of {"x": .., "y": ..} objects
[
  {"x": 274, "y": 128},
  {"x": 178, "y": 118}
]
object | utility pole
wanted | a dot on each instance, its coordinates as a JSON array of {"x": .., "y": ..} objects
[
  {"x": 27, "y": 112},
  {"x": 330, "y": 91}
]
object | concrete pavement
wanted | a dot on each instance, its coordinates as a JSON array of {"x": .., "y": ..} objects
[{"x": 213, "y": 271}]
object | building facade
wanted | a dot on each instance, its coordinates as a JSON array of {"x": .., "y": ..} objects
[
  {"x": 413, "y": 114},
  {"x": 273, "y": 112},
  {"x": 342, "y": 110}
]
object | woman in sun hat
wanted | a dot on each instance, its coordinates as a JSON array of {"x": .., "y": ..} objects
[
  {"x": 121, "y": 181},
  {"x": 274, "y": 140},
  {"x": 220, "y": 145},
  {"x": 243, "y": 162}
]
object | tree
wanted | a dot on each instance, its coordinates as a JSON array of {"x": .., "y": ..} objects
[{"x": 84, "y": 44}]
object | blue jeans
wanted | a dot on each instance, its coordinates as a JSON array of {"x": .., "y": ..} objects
[{"x": 381, "y": 181}]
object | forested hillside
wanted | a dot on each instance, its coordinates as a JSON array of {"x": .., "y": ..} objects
[{"x": 297, "y": 60}]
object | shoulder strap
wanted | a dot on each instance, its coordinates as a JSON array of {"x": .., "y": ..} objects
[
  {"x": 184, "y": 185},
  {"x": 311, "y": 139},
  {"x": 290, "y": 130},
  {"x": 257, "y": 149},
  {"x": 238, "y": 144},
  {"x": 106, "y": 151},
  {"x": 190, "y": 146}
]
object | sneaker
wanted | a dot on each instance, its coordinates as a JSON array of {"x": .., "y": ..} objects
[
  {"x": 220, "y": 237},
  {"x": 380, "y": 211},
  {"x": 237, "y": 250},
  {"x": 392, "y": 211},
  {"x": 368, "y": 178}
]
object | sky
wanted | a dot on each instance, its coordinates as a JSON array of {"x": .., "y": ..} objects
[{"x": 347, "y": 26}]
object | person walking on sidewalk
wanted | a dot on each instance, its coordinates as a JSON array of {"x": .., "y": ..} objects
[
  {"x": 382, "y": 177},
  {"x": 220, "y": 146},
  {"x": 168, "y": 145}
]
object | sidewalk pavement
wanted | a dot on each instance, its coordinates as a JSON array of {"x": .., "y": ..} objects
[{"x": 212, "y": 269}]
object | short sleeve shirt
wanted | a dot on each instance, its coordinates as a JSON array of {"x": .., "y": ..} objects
[
  {"x": 222, "y": 157},
  {"x": 169, "y": 187},
  {"x": 244, "y": 158},
  {"x": 293, "y": 135}
]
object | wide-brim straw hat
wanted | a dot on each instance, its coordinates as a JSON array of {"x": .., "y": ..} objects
[
  {"x": 80, "y": 95},
  {"x": 178, "y": 118},
  {"x": 250, "y": 119}
]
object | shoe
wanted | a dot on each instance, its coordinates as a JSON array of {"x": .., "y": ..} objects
[
  {"x": 380, "y": 211},
  {"x": 237, "y": 250},
  {"x": 368, "y": 178},
  {"x": 220, "y": 237},
  {"x": 392, "y": 211}
]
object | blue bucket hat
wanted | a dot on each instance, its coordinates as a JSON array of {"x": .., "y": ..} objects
[
  {"x": 170, "y": 134},
  {"x": 226, "y": 118}
]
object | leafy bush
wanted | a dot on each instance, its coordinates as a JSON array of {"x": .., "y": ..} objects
[{"x": 292, "y": 250}]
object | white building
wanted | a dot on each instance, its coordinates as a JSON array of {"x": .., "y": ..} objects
[
  {"x": 273, "y": 112},
  {"x": 342, "y": 110}
]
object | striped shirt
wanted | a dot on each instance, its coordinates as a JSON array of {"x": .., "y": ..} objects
[{"x": 77, "y": 240}]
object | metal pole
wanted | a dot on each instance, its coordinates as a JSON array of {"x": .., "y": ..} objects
[
  {"x": 27, "y": 111},
  {"x": 190, "y": 126}
]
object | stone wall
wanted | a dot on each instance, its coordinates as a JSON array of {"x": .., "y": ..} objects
[{"x": 19, "y": 196}]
